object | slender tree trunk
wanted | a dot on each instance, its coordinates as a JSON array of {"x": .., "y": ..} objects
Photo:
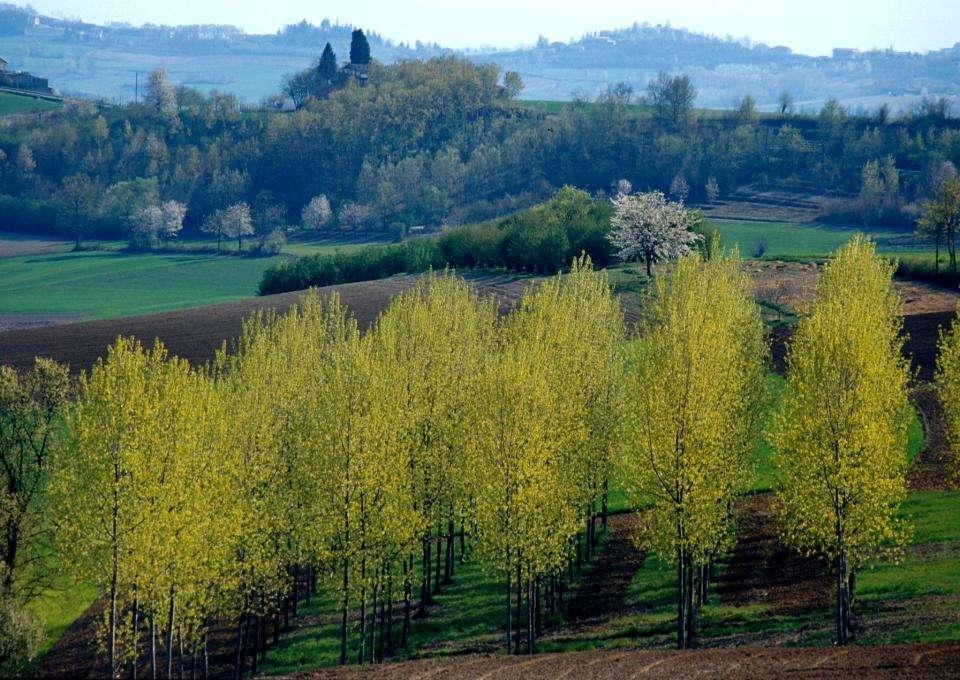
[
  {"x": 171, "y": 614},
  {"x": 530, "y": 616},
  {"x": 539, "y": 606},
  {"x": 295, "y": 595},
  {"x": 691, "y": 604},
  {"x": 425, "y": 585},
  {"x": 516, "y": 644},
  {"x": 153, "y": 648},
  {"x": 604, "y": 507},
  {"x": 407, "y": 596},
  {"x": 344, "y": 604},
  {"x": 136, "y": 636},
  {"x": 390, "y": 614},
  {"x": 206, "y": 657},
  {"x": 509, "y": 606},
  {"x": 180, "y": 657},
  {"x": 436, "y": 578},
  {"x": 448, "y": 567},
  {"x": 238, "y": 661},
  {"x": 363, "y": 614},
  {"x": 681, "y": 601},
  {"x": 463, "y": 542},
  {"x": 374, "y": 612},
  {"x": 936, "y": 249},
  {"x": 843, "y": 610}
]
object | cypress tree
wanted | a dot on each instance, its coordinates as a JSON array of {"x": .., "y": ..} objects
[
  {"x": 327, "y": 69},
  {"x": 359, "y": 48}
]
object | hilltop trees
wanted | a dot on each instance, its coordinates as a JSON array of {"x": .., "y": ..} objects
[
  {"x": 692, "y": 404},
  {"x": 648, "y": 226},
  {"x": 842, "y": 426},
  {"x": 327, "y": 67},
  {"x": 672, "y": 99}
]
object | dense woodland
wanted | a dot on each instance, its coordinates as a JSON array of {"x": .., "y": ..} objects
[{"x": 443, "y": 142}]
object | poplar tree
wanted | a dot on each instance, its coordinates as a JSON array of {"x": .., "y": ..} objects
[
  {"x": 841, "y": 430},
  {"x": 692, "y": 407}
]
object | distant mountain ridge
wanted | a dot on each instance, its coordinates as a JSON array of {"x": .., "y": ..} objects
[{"x": 81, "y": 58}]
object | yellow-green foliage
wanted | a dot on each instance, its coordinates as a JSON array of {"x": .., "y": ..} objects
[
  {"x": 693, "y": 398},
  {"x": 842, "y": 428},
  {"x": 195, "y": 495},
  {"x": 948, "y": 386}
]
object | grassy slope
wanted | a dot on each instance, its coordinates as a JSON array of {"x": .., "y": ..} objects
[
  {"x": 108, "y": 283},
  {"x": 790, "y": 239},
  {"x": 14, "y": 103}
]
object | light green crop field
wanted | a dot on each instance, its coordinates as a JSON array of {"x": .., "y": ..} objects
[
  {"x": 110, "y": 283},
  {"x": 792, "y": 239},
  {"x": 101, "y": 285}
]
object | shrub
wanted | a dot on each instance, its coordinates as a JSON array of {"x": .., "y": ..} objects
[{"x": 543, "y": 239}]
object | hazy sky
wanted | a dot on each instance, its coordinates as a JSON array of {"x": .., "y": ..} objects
[{"x": 810, "y": 26}]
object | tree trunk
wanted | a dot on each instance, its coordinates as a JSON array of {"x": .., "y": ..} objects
[
  {"x": 516, "y": 644},
  {"x": 530, "y": 616},
  {"x": 407, "y": 595},
  {"x": 463, "y": 542},
  {"x": 238, "y": 661},
  {"x": 363, "y": 613},
  {"x": 681, "y": 601},
  {"x": 344, "y": 604},
  {"x": 448, "y": 567},
  {"x": 136, "y": 636},
  {"x": 436, "y": 578},
  {"x": 604, "y": 507},
  {"x": 841, "y": 608},
  {"x": 425, "y": 584},
  {"x": 153, "y": 649},
  {"x": 390, "y": 614},
  {"x": 509, "y": 606},
  {"x": 171, "y": 613}
]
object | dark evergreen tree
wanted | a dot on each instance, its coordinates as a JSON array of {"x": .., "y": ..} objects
[
  {"x": 359, "y": 48},
  {"x": 327, "y": 69}
]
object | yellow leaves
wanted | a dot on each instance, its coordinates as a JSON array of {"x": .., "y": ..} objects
[
  {"x": 842, "y": 427},
  {"x": 693, "y": 398}
]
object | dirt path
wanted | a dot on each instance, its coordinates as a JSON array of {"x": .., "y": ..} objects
[
  {"x": 894, "y": 661},
  {"x": 602, "y": 592},
  {"x": 762, "y": 570},
  {"x": 934, "y": 468}
]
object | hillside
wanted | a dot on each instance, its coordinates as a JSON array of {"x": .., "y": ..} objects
[{"x": 100, "y": 61}]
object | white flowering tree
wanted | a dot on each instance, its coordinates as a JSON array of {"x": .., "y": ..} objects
[
  {"x": 157, "y": 222},
  {"x": 650, "y": 227},
  {"x": 317, "y": 213}
]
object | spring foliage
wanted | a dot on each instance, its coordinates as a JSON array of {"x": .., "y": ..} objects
[
  {"x": 842, "y": 428},
  {"x": 693, "y": 399},
  {"x": 198, "y": 495}
]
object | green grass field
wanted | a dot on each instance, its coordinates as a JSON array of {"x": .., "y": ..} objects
[
  {"x": 14, "y": 103},
  {"x": 110, "y": 283},
  {"x": 791, "y": 239}
]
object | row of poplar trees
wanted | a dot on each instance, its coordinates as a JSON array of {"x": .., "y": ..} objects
[
  {"x": 354, "y": 462},
  {"x": 695, "y": 396},
  {"x": 364, "y": 462}
]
